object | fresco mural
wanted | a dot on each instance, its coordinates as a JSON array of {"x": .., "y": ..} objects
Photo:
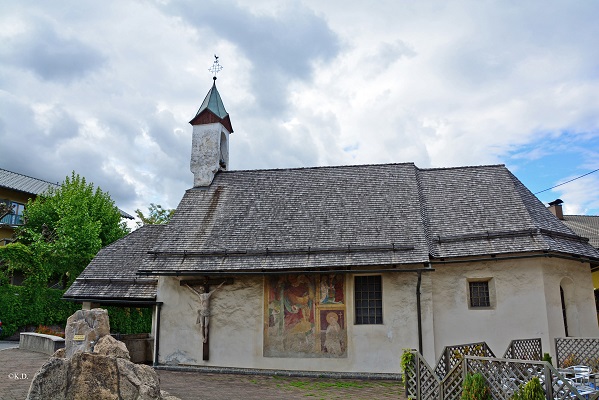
[{"x": 305, "y": 316}]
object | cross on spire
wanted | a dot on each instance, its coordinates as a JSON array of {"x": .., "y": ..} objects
[{"x": 216, "y": 67}]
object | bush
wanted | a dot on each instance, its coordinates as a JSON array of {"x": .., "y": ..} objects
[
  {"x": 129, "y": 320},
  {"x": 475, "y": 388},
  {"x": 22, "y": 306},
  {"x": 547, "y": 357},
  {"x": 531, "y": 391},
  {"x": 26, "y": 305},
  {"x": 48, "y": 330},
  {"x": 407, "y": 358}
]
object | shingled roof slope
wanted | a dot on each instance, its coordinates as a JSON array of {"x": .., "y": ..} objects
[
  {"x": 296, "y": 218},
  {"x": 355, "y": 216},
  {"x": 584, "y": 225},
  {"x": 112, "y": 274},
  {"x": 24, "y": 183},
  {"x": 486, "y": 210}
]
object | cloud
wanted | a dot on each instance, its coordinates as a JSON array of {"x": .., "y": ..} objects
[
  {"x": 281, "y": 47},
  {"x": 50, "y": 54},
  {"x": 107, "y": 90}
]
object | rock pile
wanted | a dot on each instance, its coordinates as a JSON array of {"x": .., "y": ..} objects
[{"x": 94, "y": 365}]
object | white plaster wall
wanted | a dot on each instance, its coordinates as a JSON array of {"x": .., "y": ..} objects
[
  {"x": 580, "y": 300},
  {"x": 237, "y": 323},
  {"x": 206, "y": 152},
  {"x": 526, "y": 305},
  {"x": 527, "y": 302}
]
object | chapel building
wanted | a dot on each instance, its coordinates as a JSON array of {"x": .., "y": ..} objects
[{"x": 338, "y": 269}]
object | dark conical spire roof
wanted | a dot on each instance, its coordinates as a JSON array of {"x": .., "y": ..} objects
[
  {"x": 212, "y": 110},
  {"x": 214, "y": 103}
]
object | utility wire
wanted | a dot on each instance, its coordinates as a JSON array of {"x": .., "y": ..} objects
[{"x": 563, "y": 183}]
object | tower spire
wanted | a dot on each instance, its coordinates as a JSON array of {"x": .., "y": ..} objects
[{"x": 210, "y": 137}]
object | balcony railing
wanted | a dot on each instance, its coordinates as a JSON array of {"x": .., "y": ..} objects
[{"x": 12, "y": 219}]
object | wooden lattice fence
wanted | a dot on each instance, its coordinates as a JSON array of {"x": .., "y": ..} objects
[
  {"x": 577, "y": 351},
  {"x": 452, "y": 355},
  {"x": 525, "y": 349},
  {"x": 502, "y": 375}
]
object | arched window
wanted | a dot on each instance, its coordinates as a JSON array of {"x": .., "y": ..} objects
[
  {"x": 224, "y": 151},
  {"x": 564, "y": 314},
  {"x": 569, "y": 308}
]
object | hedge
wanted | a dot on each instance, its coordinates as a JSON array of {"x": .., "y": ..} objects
[{"x": 21, "y": 306}]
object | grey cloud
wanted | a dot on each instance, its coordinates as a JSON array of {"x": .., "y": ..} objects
[
  {"x": 51, "y": 56},
  {"x": 388, "y": 53},
  {"x": 281, "y": 48}
]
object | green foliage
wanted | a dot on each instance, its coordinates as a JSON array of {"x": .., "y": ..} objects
[
  {"x": 157, "y": 215},
  {"x": 475, "y": 388},
  {"x": 18, "y": 257},
  {"x": 129, "y": 320},
  {"x": 531, "y": 391},
  {"x": 547, "y": 357},
  {"x": 407, "y": 359},
  {"x": 28, "y": 305},
  {"x": 64, "y": 229}
]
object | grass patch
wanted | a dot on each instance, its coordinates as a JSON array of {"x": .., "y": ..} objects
[{"x": 315, "y": 385}]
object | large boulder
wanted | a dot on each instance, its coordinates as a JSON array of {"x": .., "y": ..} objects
[
  {"x": 109, "y": 346},
  {"x": 96, "y": 369}
]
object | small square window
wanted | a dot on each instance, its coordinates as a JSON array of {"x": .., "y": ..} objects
[
  {"x": 479, "y": 294},
  {"x": 368, "y": 300}
]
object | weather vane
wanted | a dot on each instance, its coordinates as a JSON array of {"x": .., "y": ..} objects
[{"x": 216, "y": 67}]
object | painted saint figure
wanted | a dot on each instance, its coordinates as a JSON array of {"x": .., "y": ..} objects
[
  {"x": 204, "y": 311},
  {"x": 333, "y": 335}
]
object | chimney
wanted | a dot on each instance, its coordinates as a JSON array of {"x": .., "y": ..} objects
[{"x": 556, "y": 208}]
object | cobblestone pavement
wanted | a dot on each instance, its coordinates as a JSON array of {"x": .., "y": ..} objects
[
  {"x": 17, "y": 368},
  {"x": 198, "y": 385}
]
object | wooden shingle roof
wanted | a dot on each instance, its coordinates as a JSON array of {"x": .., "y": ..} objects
[
  {"x": 112, "y": 274},
  {"x": 585, "y": 226},
  {"x": 390, "y": 215},
  {"x": 367, "y": 215}
]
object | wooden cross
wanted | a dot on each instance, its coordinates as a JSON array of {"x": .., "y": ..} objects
[{"x": 204, "y": 312}]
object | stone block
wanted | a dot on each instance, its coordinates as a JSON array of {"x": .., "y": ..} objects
[{"x": 84, "y": 329}]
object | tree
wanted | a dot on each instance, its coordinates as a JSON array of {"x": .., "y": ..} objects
[
  {"x": 64, "y": 229},
  {"x": 157, "y": 215},
  {"x": 5, "y": 209}
]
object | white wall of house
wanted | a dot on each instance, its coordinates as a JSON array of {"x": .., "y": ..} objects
[
  {"x": 237, "y": 324},
  {"x": 525, "y": 302}
]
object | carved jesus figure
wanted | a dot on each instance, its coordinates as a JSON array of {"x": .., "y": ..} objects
[{"x": 204, "y": 311}]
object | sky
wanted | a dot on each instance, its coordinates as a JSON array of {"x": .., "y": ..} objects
[{"x": 107, "y": 88}]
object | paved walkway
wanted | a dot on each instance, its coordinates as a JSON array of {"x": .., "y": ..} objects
[{"x": 17, "y": 368}]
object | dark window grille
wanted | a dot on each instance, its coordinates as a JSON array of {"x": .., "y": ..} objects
[
  {"x": 479, "y": 294},
  {"x": 368, "y": 299}
]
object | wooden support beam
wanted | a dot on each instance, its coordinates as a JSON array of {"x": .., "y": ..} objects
[{"x": 205, "y": 281}]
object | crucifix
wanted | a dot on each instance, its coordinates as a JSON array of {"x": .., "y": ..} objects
[{"x": 203, "y": 318}]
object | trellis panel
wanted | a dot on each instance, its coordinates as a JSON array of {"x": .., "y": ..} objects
[
  {"x": 577, "y": 351},
  {"x": 525, "y": 349}
]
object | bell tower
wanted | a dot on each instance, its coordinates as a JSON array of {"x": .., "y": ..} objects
[{"x": 210, "y": 137}]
